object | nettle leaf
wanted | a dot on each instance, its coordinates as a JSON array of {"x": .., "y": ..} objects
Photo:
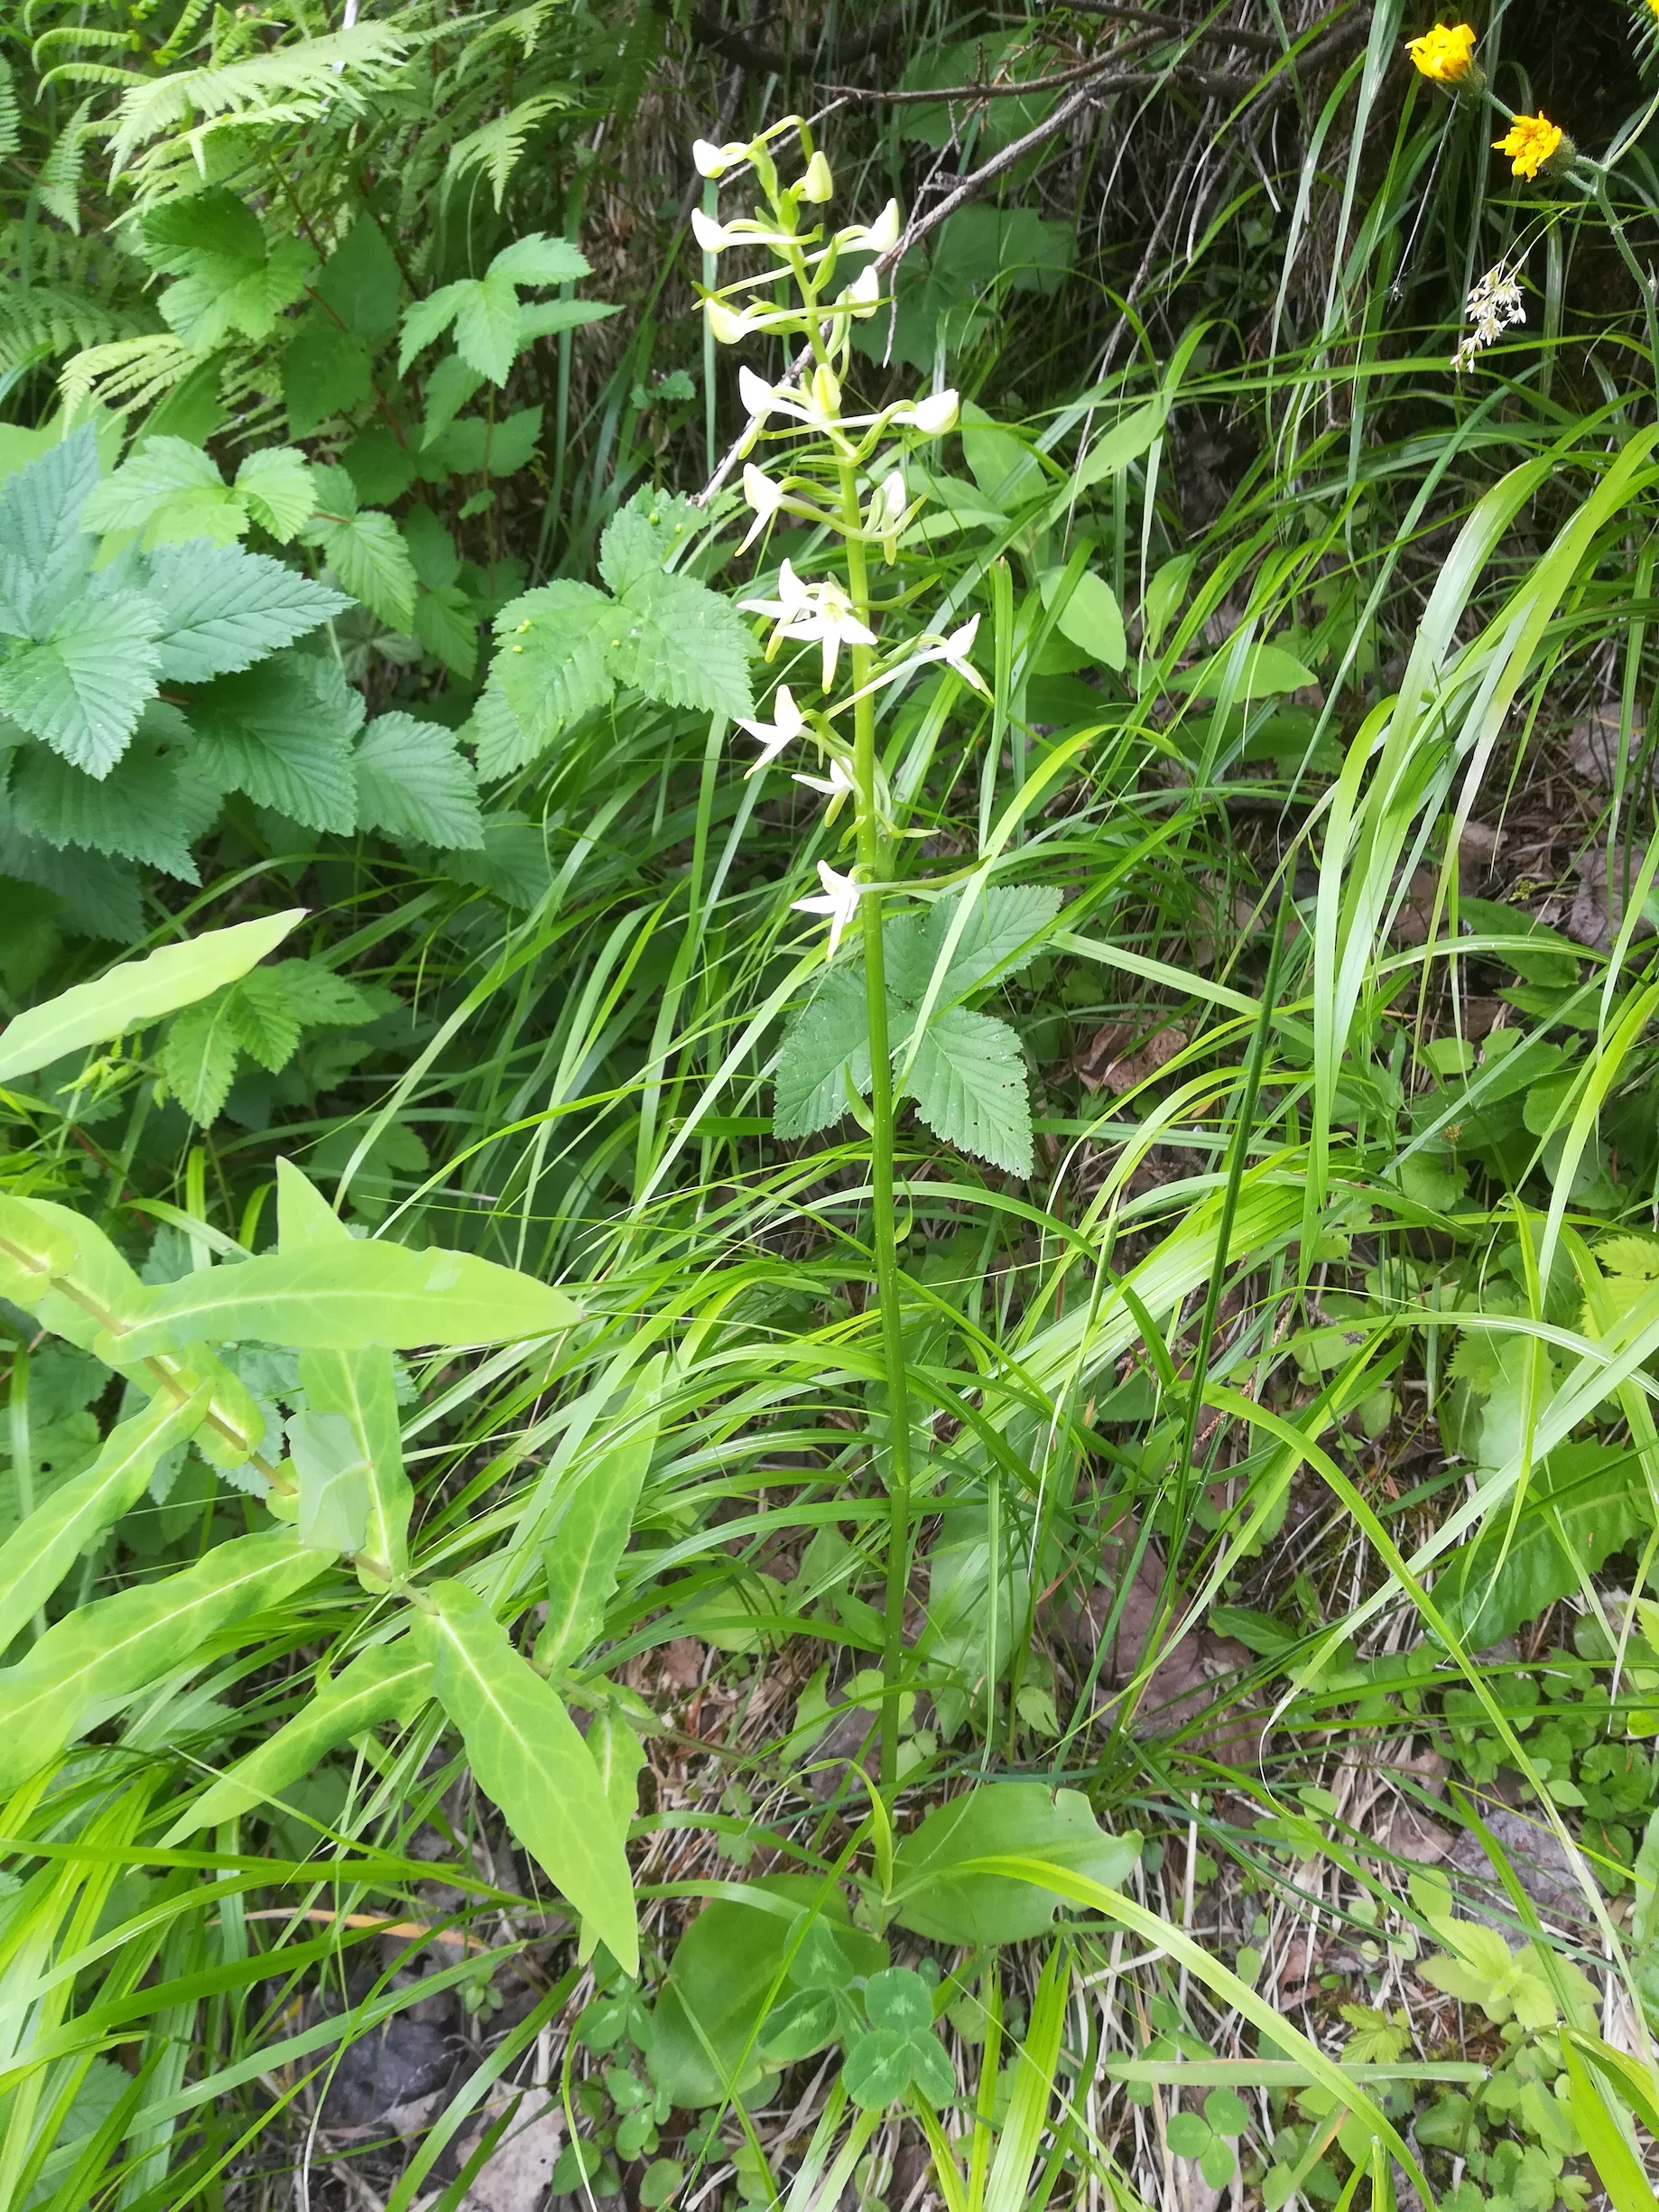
[
  {"x": 282, "y": 732},
  {"x": 968, "y": 1082},
  {"x": 826, "y": 1039},
  {"x": 84, "y": 687},
  {"x": 101, "y": 897},
  {"x": 537, "y": 259},
  {"x": 262, "y": 1019},
  {"x": 229, "y": 278},
  {"x": 368, "y": 553},
  {"x": 278, "y": 491},
  {"x": 684, "y": 645},
  {"x": 413, "y": 782},
  {"x": 225, "y": 609},
  {"x": 135, "y": 811},
  {"x": 643, "y": 536},
  {"x": 1002, "y": 934},
  {"x": 553, "y": 664},
  {"x": 39, "y": 509}
]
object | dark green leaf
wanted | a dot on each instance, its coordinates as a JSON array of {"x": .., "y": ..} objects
[
  {"x": 898, "y": 1998},
  {"x": 283, "y": 732},
  {"x": 84, "y": 687},
  {"x": 1584, "y": 1502},
  {"x": 413, "y": 782},
  {"x": 828, "y": 1037},
  {"x": 361, "y": 281},
  {"x": 876, "y": 2070},
  {"x": 326, "y": 371},
  {"x": 136, "y": 810},
  {"x": 1021, "y": 1820}
]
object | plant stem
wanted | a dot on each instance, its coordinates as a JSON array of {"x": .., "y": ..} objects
[{"x": 872, "y": 861}]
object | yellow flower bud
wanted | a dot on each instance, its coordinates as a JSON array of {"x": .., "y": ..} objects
[{"x": 817, "y": 185}]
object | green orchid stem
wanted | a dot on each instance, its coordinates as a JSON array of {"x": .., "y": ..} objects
[{"x": 873, "y": 871}]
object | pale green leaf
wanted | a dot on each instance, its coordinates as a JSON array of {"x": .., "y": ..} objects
[
  {"x": 41, "y": 1552},
  {"x": 446, "y": 624},
  {"x": 680, "y": 642},
  {"x": 826, "y": 1044},
  {"x": 279, "y": 489},
  {"x": 198, "y": 1058},
  {"x": 225, "y": 609},
  {"x": 332, "y": 1471},
  {"x": 537, "y": 259},
  {"x": 143, "y": 488},
  {"x": 389, "y": 1682},
  {"x": 937, "y": 1894},
  {"x": 548, "y": 317},
  {"x": 368, "y": 553},
  {"x": 487, "y": 325},
  {"x": 552, "y": 663},
  {"x": 137, "y": 992},
  {"x": 84, "y": 687},
  {"x": 968, "y": 1082},
  {"x": 283, "y": 733},
  {"x": 447, "y": 389},
  {"x": 1002, "y": 931},
  {"x": 429, "y": 319},
  {"x": 89, "y": 1663},
  {"x": 591, "y": 1534},
  {"x": 413, "y": 782},
  {"x": 361, "y": 1294},
  {"x": 40, "y": 506},
  {"x": 1264, "y": 670},
  {"x": 1090, "y": 618},
  {"x": 643, "y": 537},
  {"x": 524, "y": 1750}
]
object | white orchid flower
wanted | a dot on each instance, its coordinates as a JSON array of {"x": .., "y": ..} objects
[
  {"x": 816, "y": 403},
  {"x": 729, "y": 328},
  {"x": 877, "y": 237},
  {"x": 837, "y": 786},
  {"x": 954, "y": 651},
  {"x": 862, "y": 297},
  {"x": 885, "y": 516},
  {"x": 712, "y": 161},
  {"x": 785, "y": 726},
  {"x": 803, "y": 611},
  {"x": 839, "y": 902},
  {"x": 763, "y": 496},
  {"x": 932, "y": 416}
]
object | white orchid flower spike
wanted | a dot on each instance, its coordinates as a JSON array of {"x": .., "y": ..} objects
[
  {"x": 784, "y": 727},
  {"x": 839, "y": 902},
  {"x": 803, "y": 612}
]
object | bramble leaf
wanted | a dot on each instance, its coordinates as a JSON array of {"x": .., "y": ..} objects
[
  {"x": 225, "y": 609},
  {"x": 968, "y": 1082},
  {"x": 829, "y": 1035},
  {"x": 413, "y": 782}
]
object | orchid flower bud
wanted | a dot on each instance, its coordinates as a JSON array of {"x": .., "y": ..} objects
[
  {"x": 883, "y": 232},
  {"x": 827, "y": 392},
  {"x": 936, "y": 414},
  {"x": 755, "y": 394},
  {"x": 712, "y": 237},
  {"x": 817, "y": 185}
]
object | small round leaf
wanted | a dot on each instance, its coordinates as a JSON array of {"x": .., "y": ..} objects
[
  {"x": 877, "y": 2069},
  {"x": 898, "y": 1998},
  {"x": 1227, "y": 2113},
  {"x": 1189, "y": 2134}
]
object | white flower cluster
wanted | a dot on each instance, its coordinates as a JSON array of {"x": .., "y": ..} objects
[{"x": 1492, "y": 307}]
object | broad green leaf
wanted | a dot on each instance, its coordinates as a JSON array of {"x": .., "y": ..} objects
[
  {"x": 229, "y": 278},
  {"x": 262, "y": 1019},
  {"x": 361, "y": 1294},
  {"x": 684, "y": 645},
  {"x": 618, "y": 1757},
  {"x": 89, "y": 1663},
  {"x": 414, "y": 782},
  {"x": 487, "y": 324},
  {"x": 137, "y": 810},
  {"x": 279, "y": 492},
  {"x": 471, "y": 446},
  {"x": 447, "y": 625},
  {"x": 34, "y": 1248},
  {"x": 1091, "y": 619},
  {"x": 877, "y": 2069},
  {"x": 198, "y": 1058},
  {"x": 358, "y": 1388},
  {"x": 331, "y": 1466},
  {"x": 84, "y": 687},
  {"x": 825, "y": 1045},
  {"x": 40, "y": 506},
  {"x": 225, "y": 609},
  {"x": 429, "y": 319},
  {"x": 388, "y": 1682},
  {"x": 528, "y": 1757},
  {"x": 1016, "y": 1819},
  {"x": 1002, "y": 931},
  {"x": 553, "y": 662},
  {"x": 38, "y": 1554},
  {"x": 282, "y": 732},
  {"x": 371, "y": 560},
  {"x": 1112, "y": 452},
  {"x": 537, "y": 259},
  {"x": 326, "y": 372},
  {"x": 590, "y": 1536},
  {"x": 361, "y": 282},
  {"x": 447, "y": 389},
  {"x": 1265, "y": 669},
  {"x": 137, "y": 992},
  {"x": 642, "y": 538},
  {"x": 707, "y": 2023},
  {"x": 1584, "y": 1502},
  {"x": 162, "y": 476},
  {"x": 968, "y": 1082}
]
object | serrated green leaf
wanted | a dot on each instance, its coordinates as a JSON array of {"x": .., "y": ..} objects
[
  {"x": 643, "y": 536},
  {"x": 84, "y": 687},
  {"x": 368, "y": 553},
  {"x": 447, "y": 389},
  {"x": 137, "y": 992},
  {"x": 92, "y": 1660},
  {"x": 524, "y": 1750},
  {"x": 326, "y": 371},
  {"x": 967, "y": 1079},
  {"x": 412, "y": 782},
  {"x": 680, "y": 642},
  {"x": 361, "y": 281},
  {"x": 487, "y": 325},
  {"x": 548, "y": 317},
  {"x": 553, "y": 662},
  {"x": 39, "y": 509},
  {"x": 198, "y": 1058},
  {"x": 100, "y": 898},
  {"x": 225, "y": 609},
  {"x": 229, "y": 277},
  {"x": 447, "y": 625},
  {"x": 500, "y": 740},
  {"x": 1002, "y": 933},
  {"x": 262, "y": 1019},
  {"x": 41, "y": 1552},
  {"x": 161, "y": 473},
  {"x": 1584, "y": 1502},
  {"x": 829, "y": 1035},
  {"x": 366, "y": 1293},
  {"x": 429, "y": 319},
  {"x": 537, "y": 259},
  {"x": 283, "y": 733},
  {"x": 319, "y": 997},
  {"x": 389, "y": 1682},
  {"x": 135, "y": 810},
  {"x": 583, "y": 1548},
  {"x": 279, "y": 490}
]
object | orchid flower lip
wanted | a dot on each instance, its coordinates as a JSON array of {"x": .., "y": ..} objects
[{"x": 839, "y": 902}]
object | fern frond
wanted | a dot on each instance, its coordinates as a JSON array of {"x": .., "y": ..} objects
[
  {"x": 59, "y": 182},
  {"x": 10, "y": 122},
  {"x": 132, "y": 372},
  {"x": 312, "y": 74},
  {"x": 76, "y": 36},
  {"x": 52, "y": 319},
  {"x": 525, "y": 24},
  {"x": 90, "y": 73},
  {"x": 174, "y": 44},
  {"x": 498, "y": 147}
]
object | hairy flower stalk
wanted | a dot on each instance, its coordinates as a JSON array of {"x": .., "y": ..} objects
[{"x": 842, "y": 477}]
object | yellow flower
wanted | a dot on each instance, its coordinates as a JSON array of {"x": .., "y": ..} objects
[
  {"x": 1445, "y": 54},
  {"x": 1532, "y": 142}
]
